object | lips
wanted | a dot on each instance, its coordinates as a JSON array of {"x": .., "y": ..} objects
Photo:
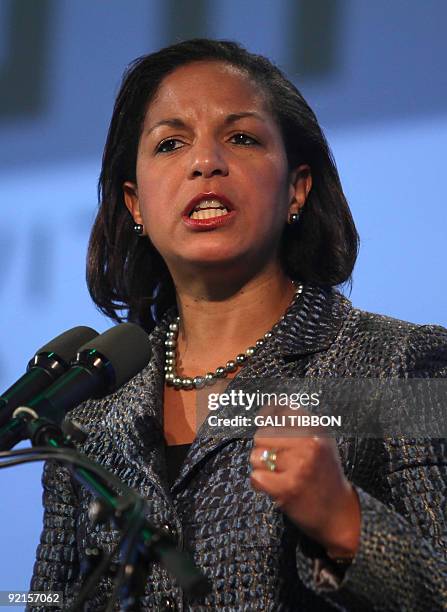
[{"x": 207, "y": 196}]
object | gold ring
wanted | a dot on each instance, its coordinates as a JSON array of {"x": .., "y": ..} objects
[{"x": 269, "y": 458}]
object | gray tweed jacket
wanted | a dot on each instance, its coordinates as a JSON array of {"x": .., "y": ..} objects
[{"x": 255, "y": 558}]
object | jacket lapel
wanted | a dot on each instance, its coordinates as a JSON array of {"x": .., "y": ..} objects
[{"x": 312, "y": 324}]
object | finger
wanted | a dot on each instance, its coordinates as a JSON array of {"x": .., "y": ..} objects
[
  {"x": 274, "y": 484},
  {"x": 266, "y": 459},
  {"x": 271, "y": 437},
  {"x": 280, "y": 437}
]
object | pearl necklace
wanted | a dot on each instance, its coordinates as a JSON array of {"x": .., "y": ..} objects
[{"x": 173, "y": 379}]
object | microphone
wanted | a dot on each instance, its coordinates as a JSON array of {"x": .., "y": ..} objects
[
  {"x": 49, "y": 362},
  {"x": 101, "y": 366}
]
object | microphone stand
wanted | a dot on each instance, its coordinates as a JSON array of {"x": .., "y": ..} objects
[{"x": 141, "y": 542}]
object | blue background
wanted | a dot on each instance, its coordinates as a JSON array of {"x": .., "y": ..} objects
[{"x": 373, "y": 72}]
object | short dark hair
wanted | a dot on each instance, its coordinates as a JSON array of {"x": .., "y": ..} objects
[{"x": 126, "y": 276}]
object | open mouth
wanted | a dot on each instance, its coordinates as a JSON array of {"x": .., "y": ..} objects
[{"x": 208, "y": 209}]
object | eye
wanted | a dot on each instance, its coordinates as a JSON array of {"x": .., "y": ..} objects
[
  {"x": 243, "y": 139},
  {"x": 168, "y": 145}
]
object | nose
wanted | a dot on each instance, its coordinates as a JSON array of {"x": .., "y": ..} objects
[{"x": 208, "y": 160}]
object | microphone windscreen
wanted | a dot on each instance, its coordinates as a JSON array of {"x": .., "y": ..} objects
[
  {"x": 66, "y": 345},
  {"x": 126, "y": 346}
]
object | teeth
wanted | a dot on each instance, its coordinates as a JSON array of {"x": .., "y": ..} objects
[
  {"x": 209, "y": 213},
  {"x": 203, "y": 204}
]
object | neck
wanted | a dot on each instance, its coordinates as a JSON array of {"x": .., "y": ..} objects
[{"x": 215, "y": 327}]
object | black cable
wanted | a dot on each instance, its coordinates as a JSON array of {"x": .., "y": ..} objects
[
  {"x": 13, "y": 462},
  {"x": 73, "y": 457},
  {"x": 45, "y": 453},
  {"x": 130, "y": 497},
  {"x": 33, "y": 450},
  {"x": 96, "y": 575},
  {"x": 105, "y": 562},
  {"x": 133, "y": 533}
]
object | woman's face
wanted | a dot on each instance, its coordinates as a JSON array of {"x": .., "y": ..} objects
[{"x": 209, "y": 142}]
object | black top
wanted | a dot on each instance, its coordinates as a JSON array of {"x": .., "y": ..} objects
[{"x": 175, "y": 456}]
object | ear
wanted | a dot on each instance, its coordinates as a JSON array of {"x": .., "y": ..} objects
[
  {"x": 300, "y": 185},
  {"x": 132, "y": 202}
]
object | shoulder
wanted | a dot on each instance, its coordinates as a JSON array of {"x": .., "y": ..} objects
[
  {"x": 421, "y": 349},
  {"x": 418, "y": 336},
  {"x": 95, "y": 411}
]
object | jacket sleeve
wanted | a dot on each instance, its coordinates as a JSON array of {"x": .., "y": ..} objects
[
  {"x": 401, "y": 563},
  {"x": 56, "y": 567}
]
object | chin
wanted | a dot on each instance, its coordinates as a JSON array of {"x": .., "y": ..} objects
[
  {"x": 212, "y": 258},
  {"x": 215, "y": 260},
  {"x": 212, "y": 254}
]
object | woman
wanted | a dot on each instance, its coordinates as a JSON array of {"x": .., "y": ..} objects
[{"x": 223, "y": 226}]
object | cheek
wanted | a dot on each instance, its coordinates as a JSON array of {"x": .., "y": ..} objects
[
  {"x": 273, "y": 189},
  {"x": 153, "y": 199}
]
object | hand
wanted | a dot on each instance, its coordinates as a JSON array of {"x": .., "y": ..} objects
[{"x": 308, "y": 484}]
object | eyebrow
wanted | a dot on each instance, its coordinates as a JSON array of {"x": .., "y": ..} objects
[{"x": 176, "y": 122}]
